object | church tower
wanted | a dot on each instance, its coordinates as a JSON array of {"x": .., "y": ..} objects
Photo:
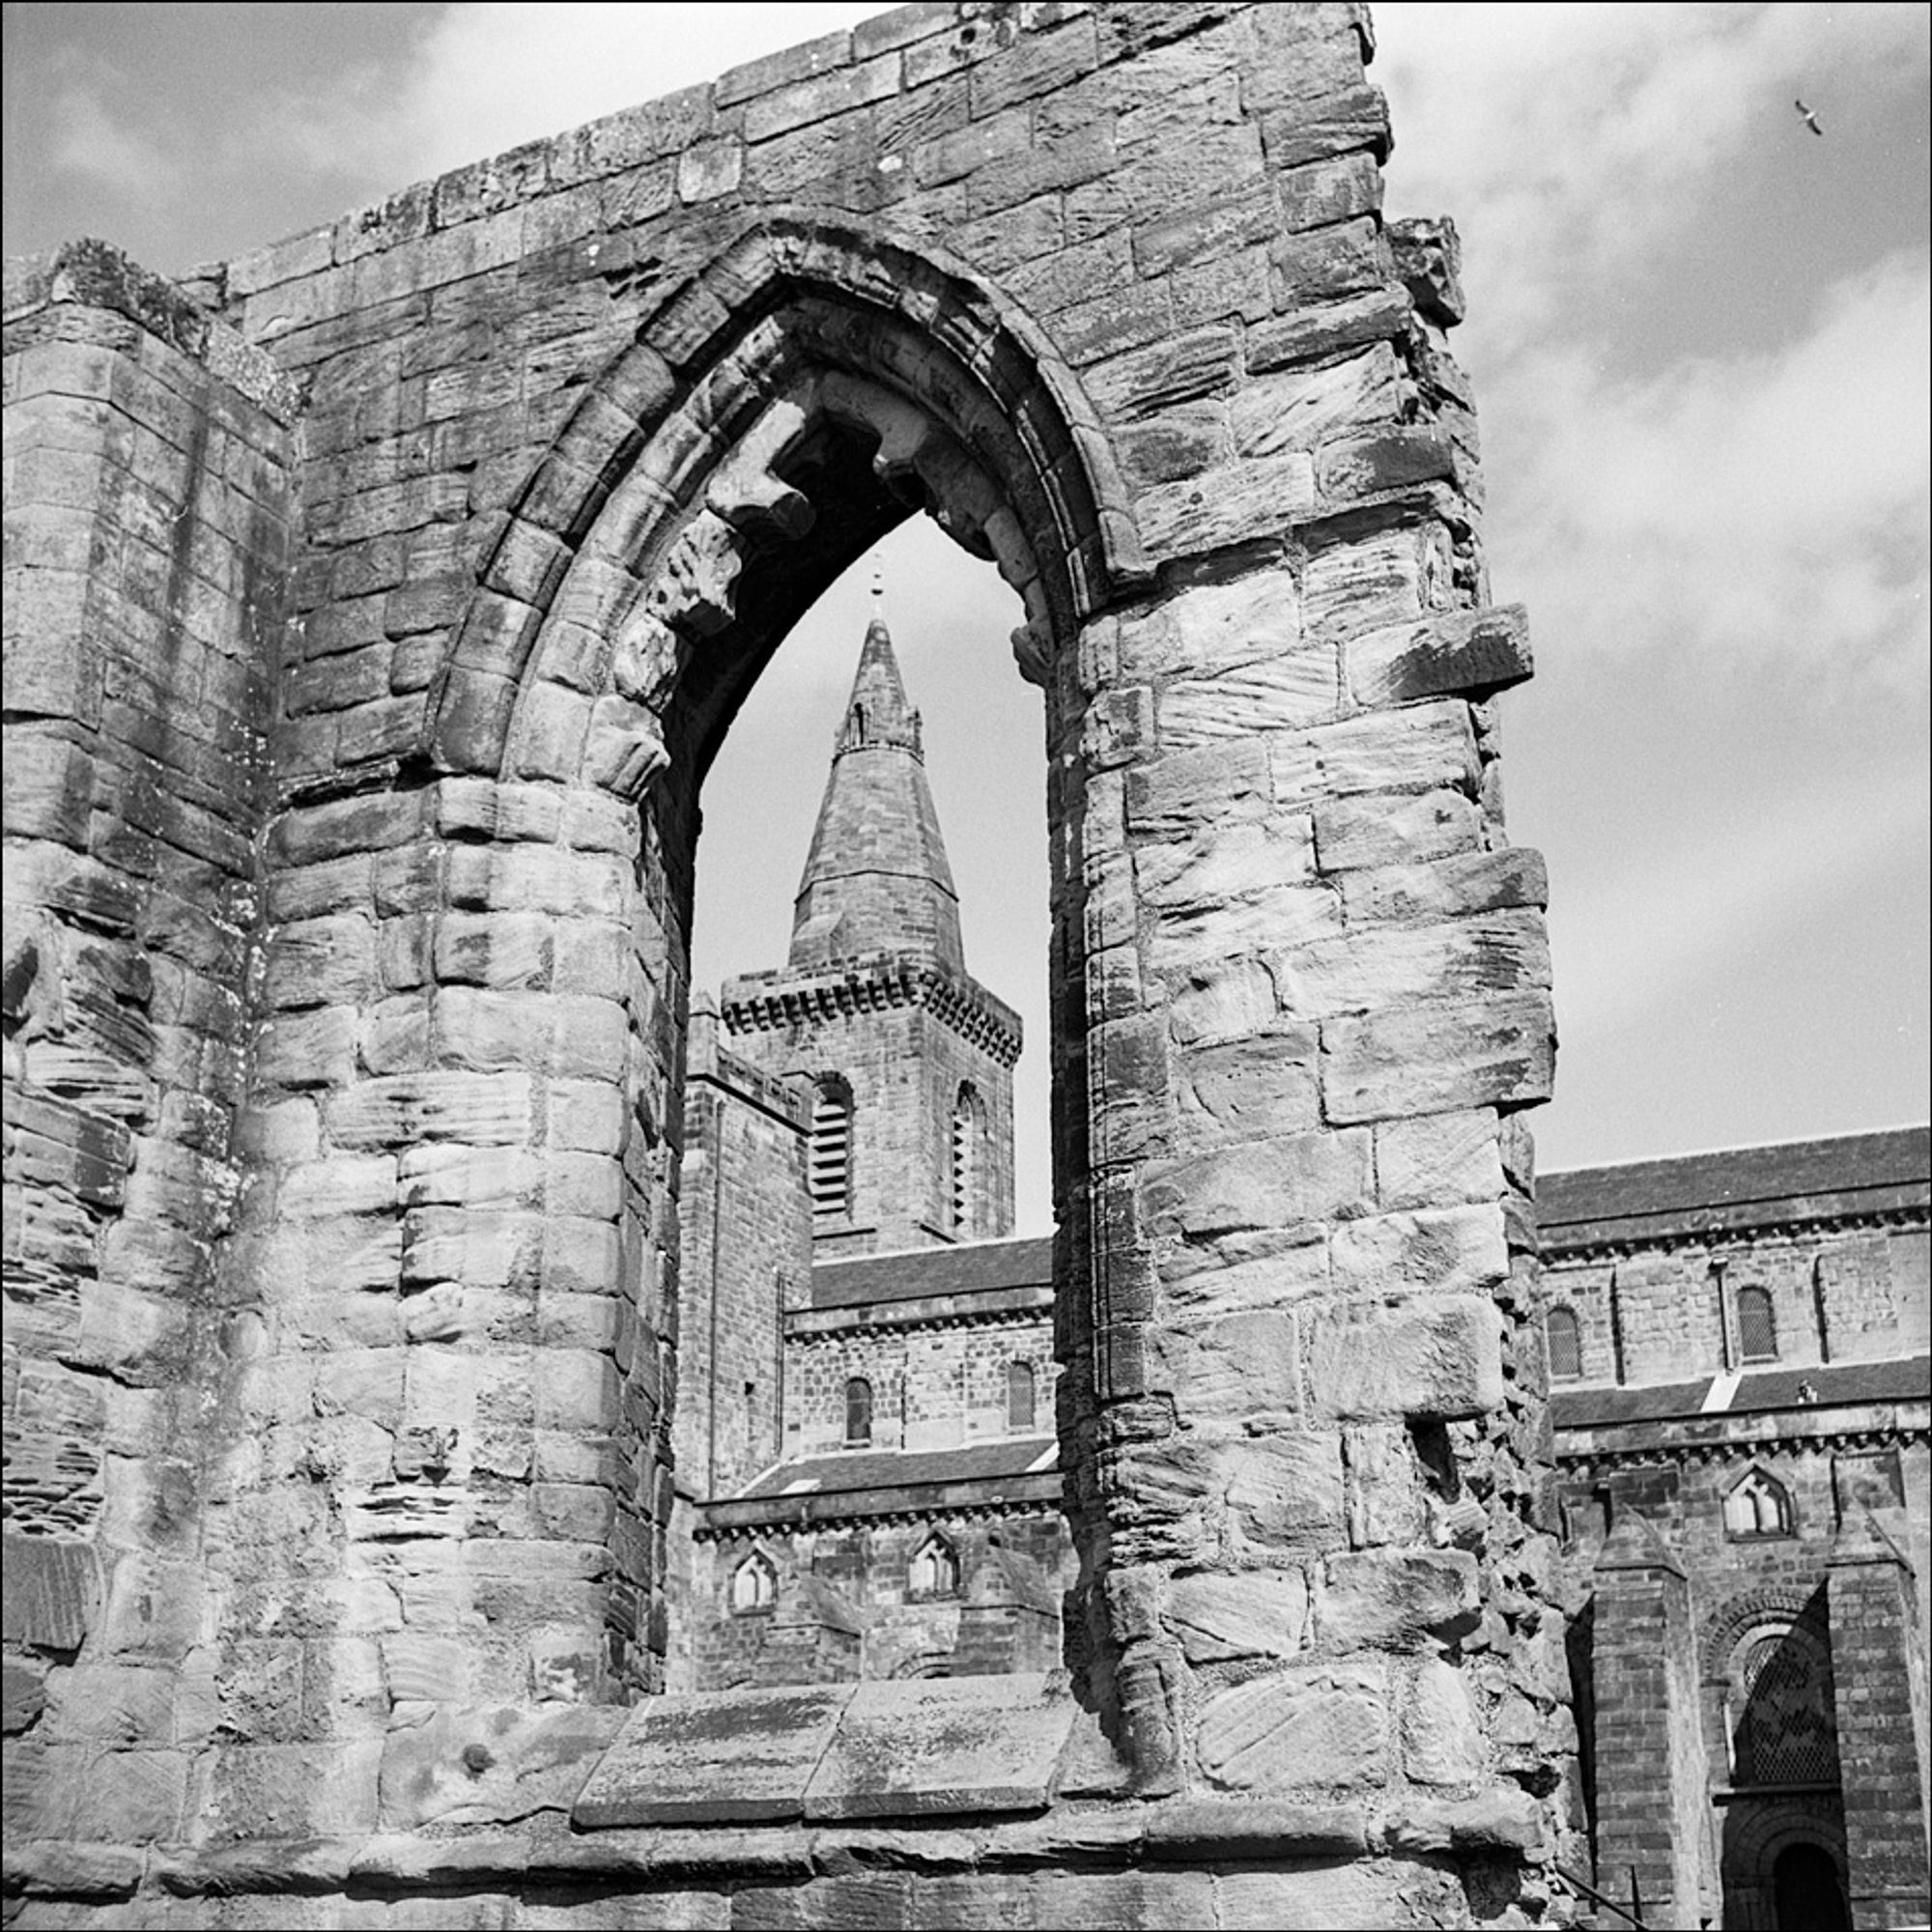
[{"x": 907, "y": 1060}]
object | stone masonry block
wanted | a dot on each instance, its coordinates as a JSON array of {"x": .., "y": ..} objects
[
  {"x": 48, "y": 787},
  {"x": 1213, "y": 863},
  {"x": 1325, "y": 1727},
  {"x": 1442, "y": 1730},
  {"x": 501, "y": 951},
  {"x": 1354, "y": 834},
  {"x": 1193, "y": 942},
  {"x": 1252, "y": 1089},
  {"x": 1268, "y": 1185},
  {"x": 1397, "y": 1599},
  {"x": 1438, "y": 1160},
  {"x": 1205, "y": 787},
  {"x": 1453, "y": 651},
  {"x": 1236, "y": 1366},
  {"x": 1439, "y": 1360},
  {"x": 1389, "y": 967},
  {"x": 1452, "y": 1250},
  {"x": 1452, "y": 888},
  {"x": 1468, "y": 1053},
  {"x": 1284, "y": 1492},
  {"x": 1255, "y": 1613},
  {"x": 1425, "y": 748}
]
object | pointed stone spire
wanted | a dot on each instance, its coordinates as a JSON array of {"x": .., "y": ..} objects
[{"x": 876, "y": 879}]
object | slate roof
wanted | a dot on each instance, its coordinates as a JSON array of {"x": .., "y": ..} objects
[
  {"x": 1834, "y": 1386},
  {"x": 917, "y": 1275},
  {"x": 848, "y": 1470},
  {"x": 1736, "y": 1188}
]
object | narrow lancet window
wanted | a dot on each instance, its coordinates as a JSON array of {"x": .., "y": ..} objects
[
  {"x": 1566, "y": 1345},
  {"x": 831, "y": 1157},
  {"x": 858, "y": 1412},
  {"x": 1757, "y": 1326},
  {"x": 1020, "y": 1397}
]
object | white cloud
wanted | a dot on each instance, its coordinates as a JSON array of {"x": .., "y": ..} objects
[
  {"x": 86, "y": 137},
  {"x": 1569, "y": 141},
  {"x": 1768, "y": 508},
  {"x": 1635, "y": 941}
]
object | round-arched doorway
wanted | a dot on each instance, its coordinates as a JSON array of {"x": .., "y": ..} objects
[{"x": 1806, "y": 1892}]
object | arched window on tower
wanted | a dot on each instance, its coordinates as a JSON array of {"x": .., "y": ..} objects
[
  {"x": 1757, "y": 1505},
  {"x": 934, "y": 1570},
  {"x": 1021, "y": 1400},
  {"x": 1757, "y": 1326},
  {"x": 754, "y": 1584},
  {"x": 858, "y": 1412},
  {"x": 969, "y": 1127},
  {"x": 829, "y": 1176},
  {"x": 1566, "y": 1345},
  {"x": 1783, "y": 1726}
]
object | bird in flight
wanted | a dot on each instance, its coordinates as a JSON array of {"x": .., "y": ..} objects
[{"x": 1810, "y": 119}]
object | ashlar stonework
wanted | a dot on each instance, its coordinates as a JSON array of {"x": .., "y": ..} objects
[{"x": 376, "y": 602}]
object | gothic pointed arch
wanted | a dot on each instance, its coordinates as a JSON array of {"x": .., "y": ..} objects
[
  {"x": 705, "y": 441},
  {"x": 1757, "y": 1505},
  {"x": 934, "y": 1570}
]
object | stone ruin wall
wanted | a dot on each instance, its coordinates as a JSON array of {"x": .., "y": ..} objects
[{"x": 366, "y": 645}]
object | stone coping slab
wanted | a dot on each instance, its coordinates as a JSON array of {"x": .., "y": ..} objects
[
  {"x": 823, "y": 1753},
  {"x": 705, "y": 1758},
  {"x": 946, "y": 1744}
]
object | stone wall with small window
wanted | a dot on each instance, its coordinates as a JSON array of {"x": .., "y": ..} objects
[
  {"x": 916, "y": 1596},
  {"x": 1668, "y": 1311},
  {"x": 933, "y": 1386}
]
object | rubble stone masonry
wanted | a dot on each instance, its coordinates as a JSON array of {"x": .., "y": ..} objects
[{"x": 375, "y": 606}]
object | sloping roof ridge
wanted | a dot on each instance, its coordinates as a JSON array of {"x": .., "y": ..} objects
[
  {"x": 1738, "y": 1147},
  {"x": 931, "y": 1248}
]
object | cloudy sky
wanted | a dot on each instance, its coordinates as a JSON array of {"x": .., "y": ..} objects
[{"x": 1699, "y": 335}]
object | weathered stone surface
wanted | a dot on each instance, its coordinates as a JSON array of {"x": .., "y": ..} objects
[
  {"x": 93, "y": 1871},
  {"x": 1452, "y": 1250},
  {"x": 51, "y": 1591},
  {"x": 1439, "y": 1159},
  {"x": 25, "y": 1697},
  {"x": 1196, "y": 1827},
  {"x": 1315, "y": 1727},
  {"x": 1236, "y": 1366},
  {"x": 1461, "y": 650},
  {"x": 1397, "y": 1599},
  {"x": 1218, "y": 863},
  {"x": 1435, "y": 1357},
  {"x": 1355, "y": 833},
  {"x": 1252, "y": 1089},
  {"x": 1441, "y": 1733},
  {"x": 1290, "y": 690},
  {"x": 1193, "y": 943},
  {"x": 1503, "y": 1818},
  {"x": 1269, "y": 1183},
  {"x": 1489, "y": 1051},
  {"x": 965, "y": 1745},
  {"x": 738, "y": 1754},
  {"x": 1284, "y": 1491},
  {"x": 294, "y": 1791},
  {"x": 491, "y": 1766},
  {"x": 1453, "y": 888},
  {"x": 1401, "y": 967},
  {"x": 478, "y": 1108},
  {"x": 1253, "y": 1614}
]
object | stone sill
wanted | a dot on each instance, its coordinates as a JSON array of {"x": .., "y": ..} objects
[{"x": 1217, "y": 1832}]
